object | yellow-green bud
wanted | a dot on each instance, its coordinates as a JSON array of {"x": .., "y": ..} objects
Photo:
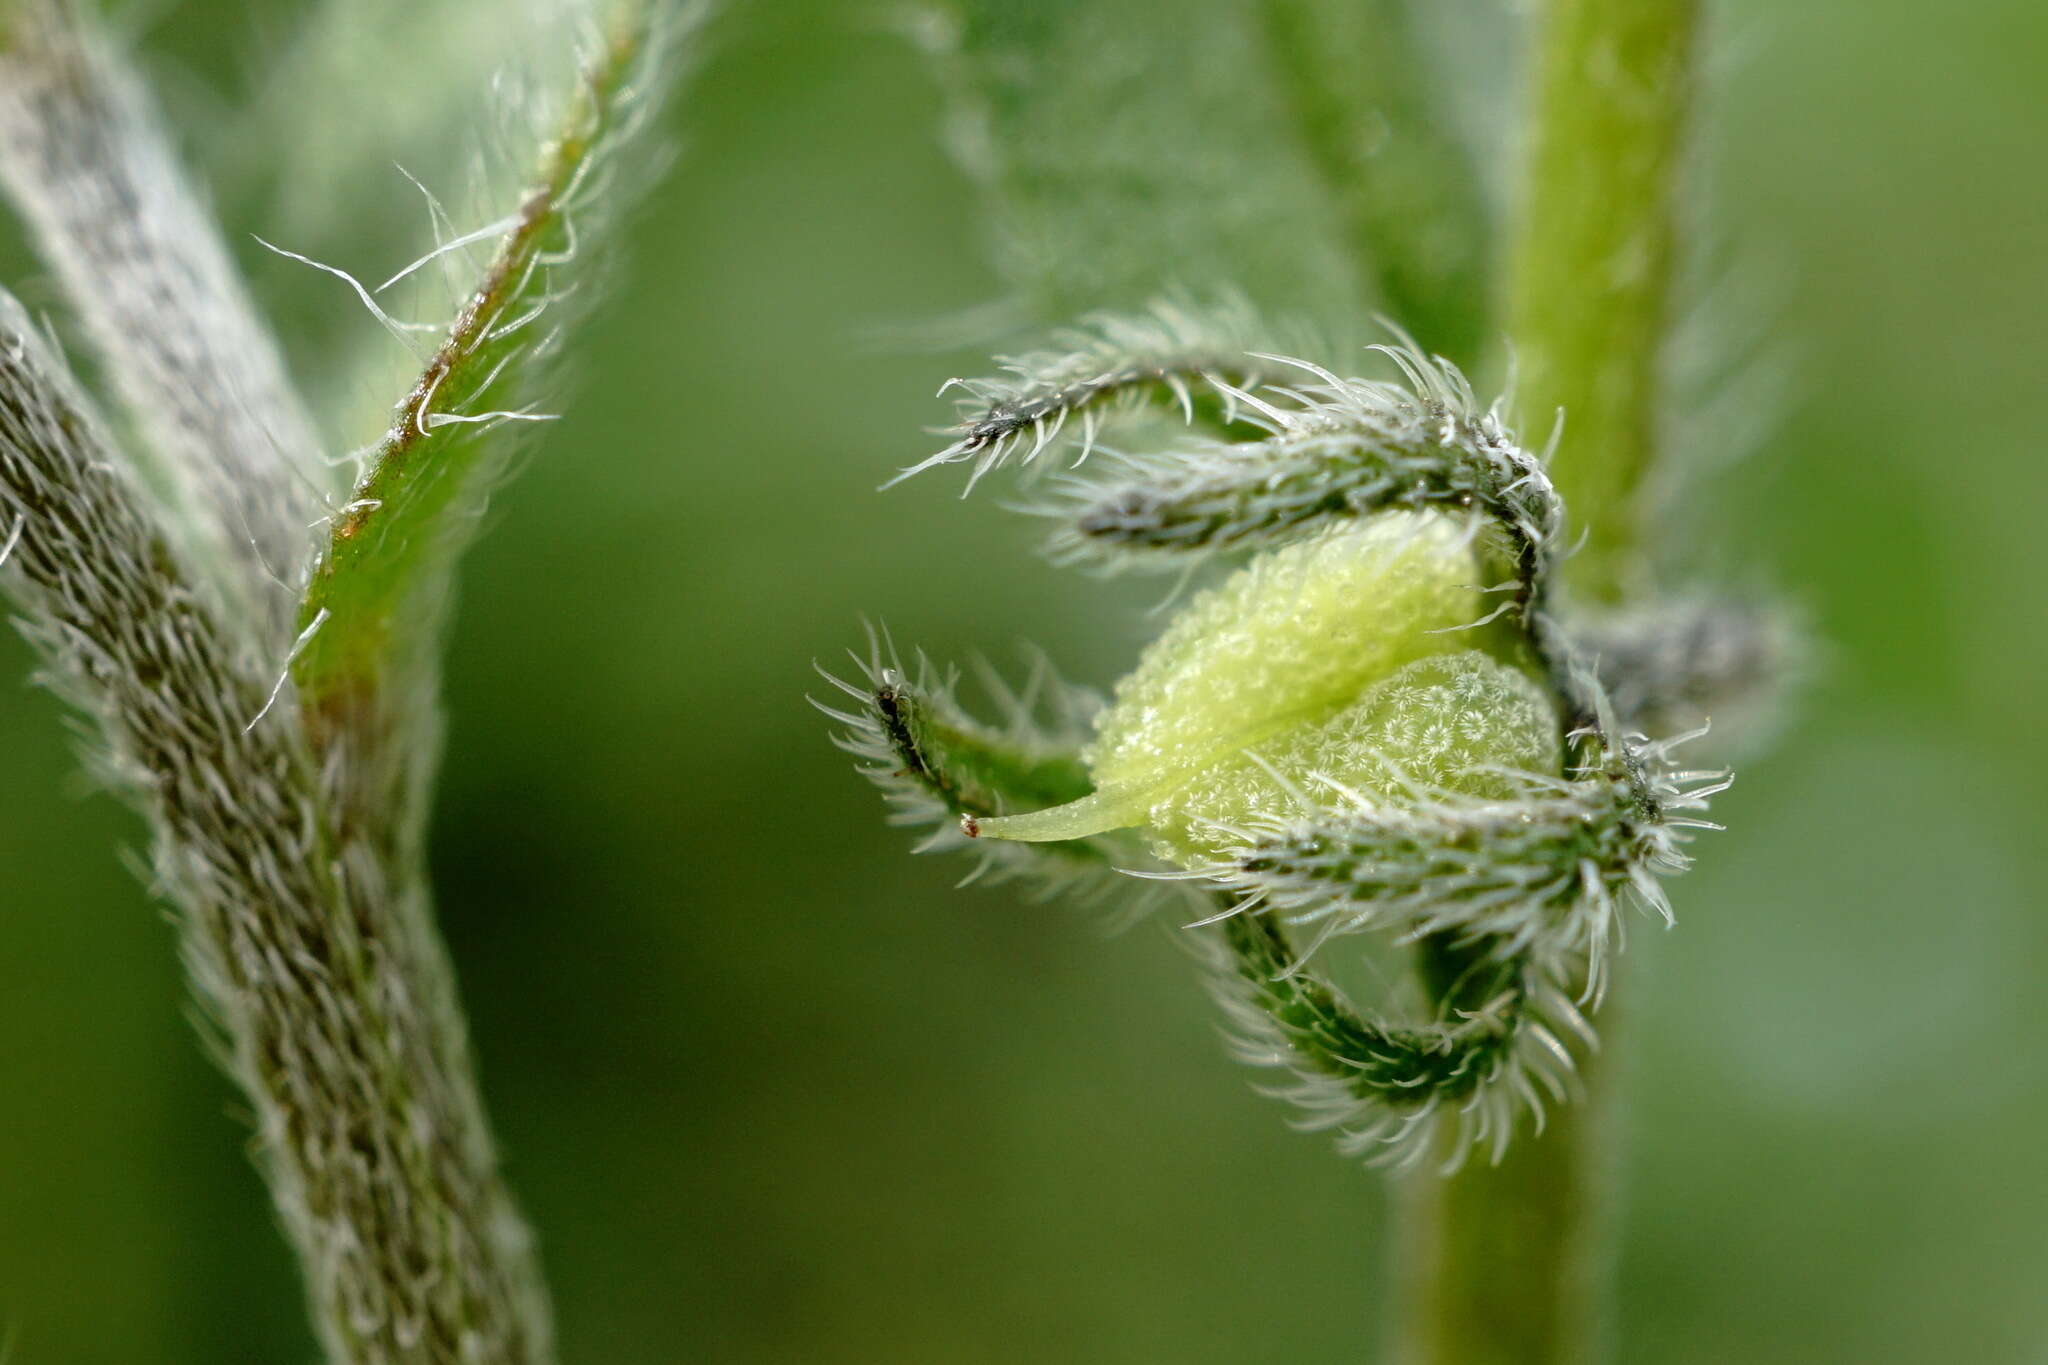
[{"x": 1338, "y": 659}]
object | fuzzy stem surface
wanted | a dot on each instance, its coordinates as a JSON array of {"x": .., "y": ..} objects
[
  {"x": 1506, "y": 1264},
  {"x": 86, "y": 161},
  {"x": 287, "y": 804},
  {"x": 327, "y": 994}
]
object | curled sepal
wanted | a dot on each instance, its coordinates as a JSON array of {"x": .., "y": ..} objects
[
  {"x": 1542, "y": 872},
  {"x": 1336, "y": 450},
  {"x": 1392, "y": 1092},
  {"x": 1089, "y": 374},
  {"x": 1671, "y": 664},
  {"x": 942, "y": 771}
]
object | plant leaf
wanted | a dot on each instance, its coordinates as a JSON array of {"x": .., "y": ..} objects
[{"x": 1124, "y": 158}]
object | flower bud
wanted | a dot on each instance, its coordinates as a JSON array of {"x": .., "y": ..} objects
[{"x": 1338, "y": 660}]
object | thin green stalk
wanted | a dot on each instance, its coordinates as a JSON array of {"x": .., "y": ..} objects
[
  {"x": 437, "y": 449},
  {"x": 1503, "y": 1265},
  {"x": 1507, "y": 1264},
  {"x": 1590, "y": 261},
  {"x": 365, "y": 674}
]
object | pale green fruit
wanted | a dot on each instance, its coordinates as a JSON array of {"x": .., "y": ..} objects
[
  {"x": 1457, "y": 722},
  {"x": 1307, "y": 659}
]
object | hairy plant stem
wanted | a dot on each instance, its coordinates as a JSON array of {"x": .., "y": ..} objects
[
  {"x": 286, "y": 789},
  {"x": 1500, "y": 1264},
  {"x": 1504, "y": 1265},
  {"x": 366, "y": 676},
  {"x": 324, "y": 983},
  {"x": 86, "y": 161}
]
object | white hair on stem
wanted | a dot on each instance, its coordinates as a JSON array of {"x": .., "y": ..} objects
[
  {"x": 84, "y": 157},
  {"x": 288, "y": 823},
  {"x": 327, "y": 996}
]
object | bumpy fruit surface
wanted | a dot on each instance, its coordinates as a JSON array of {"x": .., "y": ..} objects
[{"x": 1336, "y": 660}]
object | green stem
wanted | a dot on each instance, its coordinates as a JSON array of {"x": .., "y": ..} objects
[
  {"x": 1505, "y": 1265},
  {"x": 366, "y": 670},
  {"x": 1590, "y": 264}
]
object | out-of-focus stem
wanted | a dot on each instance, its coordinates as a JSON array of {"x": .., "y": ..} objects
[
  {"x": 85, "y": 160},
  {"x": 328, "y": 997},
  {"x": 1591, "y": 257},
  {"x": 1506, "y": 1265}
]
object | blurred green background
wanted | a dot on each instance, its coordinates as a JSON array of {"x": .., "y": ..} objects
[{"x": 774, "y": 1091}]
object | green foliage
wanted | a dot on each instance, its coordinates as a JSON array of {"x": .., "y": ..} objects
[
  {"x": 1122, "y": 156},
  {"x": 1373, "y": 115},
  {"x": 1296, "y": 150},
  {"x": 657, "y": 928}
]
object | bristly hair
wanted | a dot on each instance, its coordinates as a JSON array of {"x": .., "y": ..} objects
[
  {"x": 1541, "y": 873},
  {"x": 1673, "y": 662},
  {"x": 940, "y": 769},
  {"x": 1336, "y": 449},
  {"x": 86, "y": 161},
  {"x": 1397, "y": 1093},
  {"x": 1087, "y": 375},
  {"x": 380, "y": 590}
]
